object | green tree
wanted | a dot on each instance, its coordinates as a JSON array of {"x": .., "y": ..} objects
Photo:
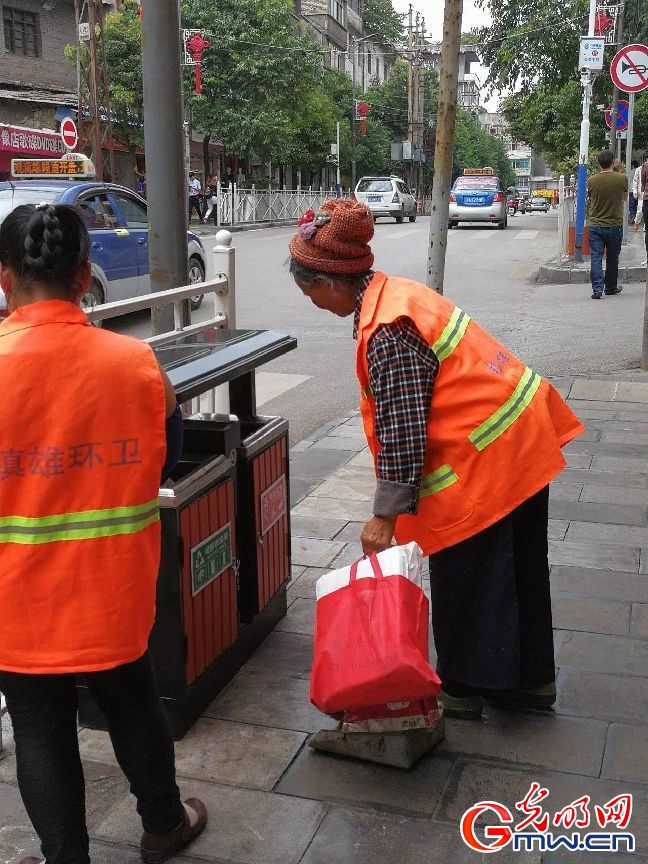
[
  {"x": 382, "y": 20},
  {"x": 476, "y": 148},
  {"x": 255, "y": 74},
  {"x": 123, "y": 43}
]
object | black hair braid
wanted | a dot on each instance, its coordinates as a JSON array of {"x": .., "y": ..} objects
[{"x": 43, "y": 243}]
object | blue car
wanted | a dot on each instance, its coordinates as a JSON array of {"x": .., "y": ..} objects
[{"x": 118, "y": 225}]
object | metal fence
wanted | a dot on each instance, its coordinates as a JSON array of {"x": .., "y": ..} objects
[
  {"x": 239, "y": 206},
  {"x": 566, "y": 217}
]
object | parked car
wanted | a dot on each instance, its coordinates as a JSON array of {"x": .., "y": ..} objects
[
  {"x": 540, "y": 203},
  {"x": 478, "y": 199},
  {"x": 387, "y": 196},
  {"x": 117, "y": 221}
]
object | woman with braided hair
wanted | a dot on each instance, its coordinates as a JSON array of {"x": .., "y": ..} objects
[{"x": 88, "y": 427}]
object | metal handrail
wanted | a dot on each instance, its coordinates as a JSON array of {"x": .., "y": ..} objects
[{"x": 175, "y": 296}]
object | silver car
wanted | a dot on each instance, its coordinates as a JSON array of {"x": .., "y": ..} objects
[
  {"x": 539, "y": 202},
  {"x": 387, "y": 196},
  {"x": 478, "y": 199}
]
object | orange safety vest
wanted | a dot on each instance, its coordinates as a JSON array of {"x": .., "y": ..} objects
[
  {"x": 82, "y": 445},
  {"x": 495, "y": 427}
]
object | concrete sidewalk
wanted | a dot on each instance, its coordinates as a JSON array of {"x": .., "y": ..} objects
[
  {"x": 273, "y": 801},
  {"x": 632, "y": 265}
]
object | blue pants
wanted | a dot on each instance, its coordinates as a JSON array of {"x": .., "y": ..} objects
[
  {"x": 633, "y": 204},
  {"x": 604, "y": 240}
]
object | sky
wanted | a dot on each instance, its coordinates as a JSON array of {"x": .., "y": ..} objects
[{"x": 432, "y": 10}]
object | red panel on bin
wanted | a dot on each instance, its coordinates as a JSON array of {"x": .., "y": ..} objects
[
  {"x": 211, "y": 616},
  {"x": 273, "y": 565}
]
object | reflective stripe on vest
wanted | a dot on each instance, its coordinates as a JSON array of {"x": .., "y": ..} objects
[
  {"x": 85, "y": 525},
  {"x": 437, "y": 481},
  {"x": 505, "y": 416},
  {"x": 452, "y": 334}
]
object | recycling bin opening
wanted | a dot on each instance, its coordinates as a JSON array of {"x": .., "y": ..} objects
[{"x": 225, "y": 538}]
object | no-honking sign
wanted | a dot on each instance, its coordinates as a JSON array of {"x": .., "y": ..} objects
[{"x": 629, "y": 69}]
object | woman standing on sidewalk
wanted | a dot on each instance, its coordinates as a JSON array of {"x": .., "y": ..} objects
[
  {"x": 82, "y": 453},
  {"x": 465, "y": 440}
]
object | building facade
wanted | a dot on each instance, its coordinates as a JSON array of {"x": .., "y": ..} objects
[
  {"x": 531, "y": 171},
  {"x": 337, "y": 25},
  {"x": 37, "y": 84}
]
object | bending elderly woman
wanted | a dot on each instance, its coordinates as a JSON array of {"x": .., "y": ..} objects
[{"x": 465, "y": 440}]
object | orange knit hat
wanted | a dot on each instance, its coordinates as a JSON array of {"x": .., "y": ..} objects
[{"x": 336, "y": 238}]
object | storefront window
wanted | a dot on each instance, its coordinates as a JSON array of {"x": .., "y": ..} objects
[{"x": 21, "y": 32}]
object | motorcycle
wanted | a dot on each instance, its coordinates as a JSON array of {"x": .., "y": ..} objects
[{"x": 512, "y": 206}]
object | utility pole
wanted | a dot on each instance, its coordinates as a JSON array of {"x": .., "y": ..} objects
[
  {"x": 421, "y": 109},
  {"x": 410, "y": 87},
  {"x": 352, "y": 51},
  {"x": 616, "y": 147},
  {"x": 628, "y": 162},
  {"x": 97, "y": 154},
  {"x": 338, "y": 184},
  {"x": 164, "y": 143},
  {"x": 586, "y": 82},
  {"x": 444, "y": 147}
]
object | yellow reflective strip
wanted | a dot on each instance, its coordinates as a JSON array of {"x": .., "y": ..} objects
[
  {"x": 437, "y": 481},
  {"x": 505, "y": 416},
  {"x": 82, "y": 516},
  {"x": 452, "y": 334},
  {"x": 26, "y": 539}
]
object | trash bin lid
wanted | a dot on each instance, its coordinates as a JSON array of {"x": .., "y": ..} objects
[{"x": 196, "y": 363}]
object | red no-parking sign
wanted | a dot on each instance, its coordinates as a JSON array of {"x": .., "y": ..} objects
[
  {"x": 69, "y": 133},
  {"x": 629, "y": 69}
]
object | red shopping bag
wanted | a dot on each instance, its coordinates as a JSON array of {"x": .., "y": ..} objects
[{"x": 371, "y": 644}]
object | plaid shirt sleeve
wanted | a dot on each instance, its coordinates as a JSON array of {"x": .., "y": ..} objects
[{"x": 402, "y": 370}]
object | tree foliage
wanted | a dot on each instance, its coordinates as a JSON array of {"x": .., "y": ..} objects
[
  {"x": 255, "y": 74},
  {"x": 382, "y": 20},
  {"x": 123, "y": 58}
]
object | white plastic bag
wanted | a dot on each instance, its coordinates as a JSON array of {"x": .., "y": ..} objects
[{"x": 405, "y": 560}]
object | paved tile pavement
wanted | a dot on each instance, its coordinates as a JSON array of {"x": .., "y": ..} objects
[{"x": 273, "y": 801}]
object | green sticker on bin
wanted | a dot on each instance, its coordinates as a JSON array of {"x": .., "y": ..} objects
[{"x": 210, "y": 558}]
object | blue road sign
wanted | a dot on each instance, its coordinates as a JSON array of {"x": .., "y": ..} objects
[{"x": 622, "y": 115}]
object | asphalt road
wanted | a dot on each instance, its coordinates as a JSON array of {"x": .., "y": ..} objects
[{"x": 489, "y": 273}]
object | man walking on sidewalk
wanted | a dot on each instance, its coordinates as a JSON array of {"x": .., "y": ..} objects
[{"x": 607, "y": 192}]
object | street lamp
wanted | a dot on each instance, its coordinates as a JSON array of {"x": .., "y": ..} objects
[{"x": 351, "y": 50}]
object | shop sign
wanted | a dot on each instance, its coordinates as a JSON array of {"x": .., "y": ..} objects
[
  {"x": 30, "y": 142},
  {"x": 210, "y": 558},
  {"x": 273, "y": 504}
]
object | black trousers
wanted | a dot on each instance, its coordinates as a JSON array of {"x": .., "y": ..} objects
[
  {"x": 491, "y": 606},
  {"x": 43, "y": 711}
]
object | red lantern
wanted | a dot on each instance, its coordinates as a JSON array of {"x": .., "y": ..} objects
[
  {"x": 196, "y": 46},
  {"x": 602, "y": 23},
  {"x": 363, "y": 110}
]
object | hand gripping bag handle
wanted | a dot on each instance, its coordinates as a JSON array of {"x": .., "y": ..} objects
[{"x": 375, "y": 563}]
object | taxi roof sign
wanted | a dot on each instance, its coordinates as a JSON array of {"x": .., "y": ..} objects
[
  {"x": 478, "y": 172},
  {"x": 74, "y": 165}
]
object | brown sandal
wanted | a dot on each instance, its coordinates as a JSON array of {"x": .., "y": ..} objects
[{"x": 156, "y": 850}]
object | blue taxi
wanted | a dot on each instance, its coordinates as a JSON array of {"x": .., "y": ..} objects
[{"x": 117, "y": 221}]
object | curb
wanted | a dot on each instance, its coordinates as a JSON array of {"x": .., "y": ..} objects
[
  {"x": 552, "y": 274},
  {"x": 235, "y": 229}
]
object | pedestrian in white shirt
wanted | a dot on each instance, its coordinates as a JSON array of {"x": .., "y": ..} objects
[
  {"x": 635, "y": 188},
  {"x": 194, "y": 189}
]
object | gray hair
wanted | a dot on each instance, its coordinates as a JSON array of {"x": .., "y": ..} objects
[{"x": 354, "y": 281}]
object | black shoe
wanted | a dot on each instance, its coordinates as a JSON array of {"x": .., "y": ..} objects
[
  {"x": 616, "y": 290},
  {"x": 596, "y": 295}
]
